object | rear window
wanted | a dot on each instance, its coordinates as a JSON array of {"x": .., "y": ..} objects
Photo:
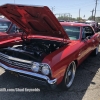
[{"x": 72, "y": 31}]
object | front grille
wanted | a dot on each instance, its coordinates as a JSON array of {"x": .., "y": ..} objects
[{"x": 14, "y": 63}]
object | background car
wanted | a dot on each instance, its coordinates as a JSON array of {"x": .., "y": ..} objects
[
  {"x": 99, "y": 26},
  {"x": 10, "y": 32},
  {"x": 62, "y": 21},
  {"x": 4, "y": 24},
  {"x": 93, "y": 24}
]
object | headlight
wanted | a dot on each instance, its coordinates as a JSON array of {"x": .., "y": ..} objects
[
  {"x": 35, "y": 67},
  {"x": 45, "y": 69}
]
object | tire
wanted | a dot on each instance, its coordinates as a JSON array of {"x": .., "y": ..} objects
[
  {"x": 96, "y": 51},
  {"x": 69, "y": 76}
]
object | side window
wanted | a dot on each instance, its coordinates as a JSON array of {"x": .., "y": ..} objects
[
  {"x": 13, "y": 29},
  {"x": 88, "y": 31}
]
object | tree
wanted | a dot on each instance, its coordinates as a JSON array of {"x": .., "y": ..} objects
[
  {"x": 91, "y": 18},
  {"x": 63, "y": 18},
  {"x": 66, "y": 18},
  {"x": 79, "y": 18},
  {"x": 96, "y": 18}
]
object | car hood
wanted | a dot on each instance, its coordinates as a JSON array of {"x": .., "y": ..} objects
[{"x": 35, "y": 20}]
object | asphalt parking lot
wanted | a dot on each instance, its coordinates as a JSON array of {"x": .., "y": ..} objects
[{"x": 86, "y": 85}]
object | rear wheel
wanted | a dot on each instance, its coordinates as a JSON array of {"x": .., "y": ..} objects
[
  {"x": 96, "y": 51},
  {"x": 69, "y": 76}
]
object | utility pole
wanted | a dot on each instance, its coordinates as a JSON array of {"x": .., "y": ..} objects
[
  {"x": 71, "y": 17},
  {"x": 92, "y": 13},
  {"x": 52, "y": 9},
  {"x": 79, "y": 14},
  {"x": 95, "y": 9}
]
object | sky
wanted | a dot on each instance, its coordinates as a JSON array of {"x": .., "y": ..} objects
[{"x": 63, "y": 6}]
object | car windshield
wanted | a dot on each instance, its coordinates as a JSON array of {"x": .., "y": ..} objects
[
  {"x": 72, "y": 31},
  {"x": 4, "y": 25}
]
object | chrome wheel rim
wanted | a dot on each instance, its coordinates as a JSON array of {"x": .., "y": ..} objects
[{"x": 70, "y": 74}]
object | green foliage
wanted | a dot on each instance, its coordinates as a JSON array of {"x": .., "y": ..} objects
[
  {"x": 66, "y": 18},
  {"x": 91, "y": 18},
  {"x": 79, "y": 18},
  {"x": 96, "y": 18},
  {"x": 63, "y": 18}
]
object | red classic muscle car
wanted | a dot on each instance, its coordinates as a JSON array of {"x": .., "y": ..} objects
[{"x": 53, "y": 52}]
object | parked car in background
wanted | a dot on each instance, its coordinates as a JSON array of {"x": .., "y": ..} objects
[
  {"x": 4, "y": 24},
  {"x": 53, "y": 52},
  {"x": 93, "y": 24},
  {"x": 99, "y": 26},
  {"x": 8, "y": 32},
  {"x": 61, "y": 20}
]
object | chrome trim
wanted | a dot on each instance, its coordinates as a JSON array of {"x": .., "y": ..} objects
[
  {"x": 14, "y": 49},
  {"x": 51, "y": 82},
  {"x": 16, "y": 59},
  {"x": 20, "y": 60}
]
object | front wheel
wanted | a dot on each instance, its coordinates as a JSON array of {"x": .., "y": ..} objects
[
  {"x": 96, "y": 51},
  {"x": 69, "y": 76}
]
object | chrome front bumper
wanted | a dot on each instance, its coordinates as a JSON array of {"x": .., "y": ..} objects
[{"x": 32, "y": 74}]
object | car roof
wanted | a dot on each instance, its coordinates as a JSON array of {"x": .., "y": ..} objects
[
  {"x": 90, "y": 21},
  {"x": 74, "y": 24},
  {"x": 4, "y": 19}
]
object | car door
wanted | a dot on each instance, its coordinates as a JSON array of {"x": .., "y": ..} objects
[
  {"x": 89, "y": 33},
  {"x": 83, "y": 47},
  {"x": 88, "y": 42}
]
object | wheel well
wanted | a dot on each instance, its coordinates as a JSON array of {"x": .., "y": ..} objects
[{"x": 76, "y": 62}]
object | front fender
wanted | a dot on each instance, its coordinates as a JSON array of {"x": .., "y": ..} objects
[{"x": 59, "y": 61}]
